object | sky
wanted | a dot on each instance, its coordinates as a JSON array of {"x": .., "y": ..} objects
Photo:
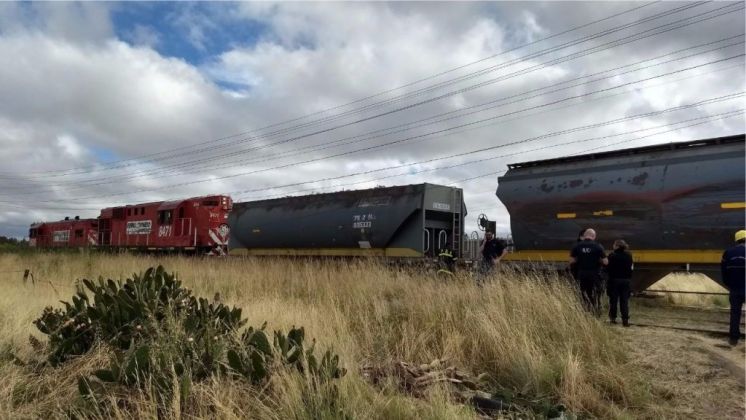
[{"x": 107, "y": 104}]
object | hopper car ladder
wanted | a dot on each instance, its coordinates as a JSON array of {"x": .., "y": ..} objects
[{"x": 456, "y": 223}]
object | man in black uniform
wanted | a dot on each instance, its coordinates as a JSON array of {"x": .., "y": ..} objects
[
  {"x": 492, "y": 252},
  {"x": 589, "y": 256},
  {"x": 734, "y": 276}
]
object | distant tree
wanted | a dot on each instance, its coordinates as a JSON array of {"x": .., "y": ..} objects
[{"x": 13, "y": 242}]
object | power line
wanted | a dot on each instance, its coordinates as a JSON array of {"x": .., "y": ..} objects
[
  {"x": 429, "y": 120},
  {"x": 552, "y": 49},
  {"x": 389, "y": 90},
  {"x": 482, "y": 149},
  {"x": 707, "y": 119}
]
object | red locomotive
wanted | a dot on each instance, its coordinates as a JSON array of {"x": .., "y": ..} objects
[
  {"x": 197, "y": 224},
  {"x": 73, "y": 233}
]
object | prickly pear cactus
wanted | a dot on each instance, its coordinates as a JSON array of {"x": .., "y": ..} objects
[{"x": 163, "y": 336}]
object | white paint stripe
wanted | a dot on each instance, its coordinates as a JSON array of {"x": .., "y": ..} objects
[{"x": 215, "y": 238}]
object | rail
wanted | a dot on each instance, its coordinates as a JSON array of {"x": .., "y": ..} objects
[{"x": 686, "y": 292}]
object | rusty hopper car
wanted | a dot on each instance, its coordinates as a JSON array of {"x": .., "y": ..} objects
[
  {"x": 401, "y": 221},
  {"x": 676, "y": 204}
]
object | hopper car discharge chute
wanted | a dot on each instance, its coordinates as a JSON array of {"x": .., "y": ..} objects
[
  {"x": 677, "y": 205},
  {"x": 404, "y": 221}
]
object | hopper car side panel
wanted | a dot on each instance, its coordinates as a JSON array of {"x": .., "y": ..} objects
[
  {"x": 676, "y": 205},
  {"x": 375, "y": 222}
]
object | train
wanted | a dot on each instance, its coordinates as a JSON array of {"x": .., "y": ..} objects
[
  {"x": 677, "y": 204},
  {"x": 197, "y": 224}
]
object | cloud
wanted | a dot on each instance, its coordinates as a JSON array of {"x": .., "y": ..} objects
[
  {"x": 144, "y": 35},
  {"x": 80, "y": 96}
]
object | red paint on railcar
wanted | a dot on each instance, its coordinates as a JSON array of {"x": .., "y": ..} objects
[
  {"x": 193, "y": 224},
  {"x": 71, "y": 233}
]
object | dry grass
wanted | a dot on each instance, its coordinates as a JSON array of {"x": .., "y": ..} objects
[{"x": 528, "y": 334}]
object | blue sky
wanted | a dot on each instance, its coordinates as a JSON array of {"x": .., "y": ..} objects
[{"x": 194, "y": 32}]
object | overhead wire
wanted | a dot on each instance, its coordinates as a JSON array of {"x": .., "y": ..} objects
[
  {"x": 399, "y": 87},
  {"x": 731, "y": 96},
  {"x": 562, "y": 46},
  {"x": 431, "y": 119}
]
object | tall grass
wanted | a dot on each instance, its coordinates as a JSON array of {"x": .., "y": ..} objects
[{"x": 527, "y": 333}]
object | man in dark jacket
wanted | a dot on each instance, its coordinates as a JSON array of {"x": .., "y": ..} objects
[
  {"x": 732, "y": 270},
  {"x": 589, "y": 256},
  {"x": 574, "y": 267},
  {"x": 492, "y": 252},
  {"x": 620, "y": 276}
]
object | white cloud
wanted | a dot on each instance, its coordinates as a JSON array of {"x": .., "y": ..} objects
[{"x": 76, "y": 93}]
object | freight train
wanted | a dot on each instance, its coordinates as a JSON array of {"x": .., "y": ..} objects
[
  {"x": 676, "y": 204},
  {"x": 196, "y": 224}
]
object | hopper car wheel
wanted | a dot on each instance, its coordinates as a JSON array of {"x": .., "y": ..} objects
[{"x": 483, "y": 222}]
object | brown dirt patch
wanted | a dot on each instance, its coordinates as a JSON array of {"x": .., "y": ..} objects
[{"x": 691, "y": 375}]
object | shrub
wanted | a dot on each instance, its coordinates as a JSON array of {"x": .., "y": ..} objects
[{"x": 164, "y": 338}]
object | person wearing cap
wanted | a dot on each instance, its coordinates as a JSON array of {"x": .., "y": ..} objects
[
  {"x": 620, "y": 276},
  {"x": 734, "y": 277},
  {"x": 589, "y": 256}
]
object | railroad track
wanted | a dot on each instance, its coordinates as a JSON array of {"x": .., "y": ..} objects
[{"x": 710, "y": 321}]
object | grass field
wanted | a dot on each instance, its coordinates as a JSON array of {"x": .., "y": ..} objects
[{"x": 528, "y": 335}]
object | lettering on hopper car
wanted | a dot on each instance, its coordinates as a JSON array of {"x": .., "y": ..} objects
[
  {"x": 139, "y": 227},
  {"x": 441, "y": 206},
  {"x": 361, "y": 221}
]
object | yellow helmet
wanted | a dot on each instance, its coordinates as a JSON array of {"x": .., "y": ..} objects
[{"x": 740, "y": 235}]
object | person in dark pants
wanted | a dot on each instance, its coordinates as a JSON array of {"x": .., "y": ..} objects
[
  {"x": 620, "y": 275},
  {"x": 492, "y": 252},
  {"x": 732, "y": 270},
  {"x": 589, "y": 256}
]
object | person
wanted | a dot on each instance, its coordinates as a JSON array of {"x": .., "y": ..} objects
[
  {"x": 574, "y": 267},
  {"x": 732, "y": 270},
  {"x": 446, "y": 263},
  {"x": 589, "y": 256},
  {"x": 618, "y": 286},
  {"x": 492, "y": 252}
]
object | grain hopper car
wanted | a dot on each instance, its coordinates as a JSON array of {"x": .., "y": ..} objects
[
  {"x": 676, "y": 204},
  {"x": 402, "y": 221}
]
